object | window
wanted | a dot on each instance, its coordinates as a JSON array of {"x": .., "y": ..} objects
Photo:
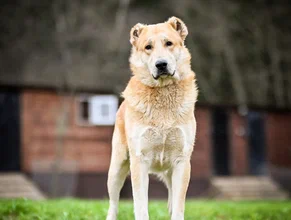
[{"x": 96, "y": 110}]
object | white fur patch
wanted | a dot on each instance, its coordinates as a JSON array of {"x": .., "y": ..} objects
[
  {"x": 136, "y": 60},
  {"x": 189, "y": 134},
  {"x": 136, "y": 137}
]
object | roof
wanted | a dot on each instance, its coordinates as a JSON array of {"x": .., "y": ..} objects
[{"x": 241, "y": 50}]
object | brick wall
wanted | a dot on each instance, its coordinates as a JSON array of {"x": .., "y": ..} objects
[
  {"x": 88, "y": 147},
  {"x": 278, "y": 130},
  {"x": 202, "y": 155},
  {"x": 238, "y": 144}
]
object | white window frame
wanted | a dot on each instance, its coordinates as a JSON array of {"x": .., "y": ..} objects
[{"x": 94, "y": 110}]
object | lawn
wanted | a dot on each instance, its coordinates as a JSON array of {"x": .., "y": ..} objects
[{"x": 72, "y": 209}]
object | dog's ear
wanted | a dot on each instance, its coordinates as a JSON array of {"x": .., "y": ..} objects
[
  {"x": 135, "y": 33},
  {"x": 179, "y": 26}
]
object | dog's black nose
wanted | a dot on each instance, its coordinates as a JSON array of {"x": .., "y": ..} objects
[{"x": 161, "y": 64}]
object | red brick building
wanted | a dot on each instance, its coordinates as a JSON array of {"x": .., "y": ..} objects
[{"x": 223, "y": 146}]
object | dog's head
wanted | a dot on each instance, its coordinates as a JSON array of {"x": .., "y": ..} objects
[{"x": 159, "y": 56}]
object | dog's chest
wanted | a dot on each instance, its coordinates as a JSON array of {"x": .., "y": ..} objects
[{"x": 160, "y": 148}]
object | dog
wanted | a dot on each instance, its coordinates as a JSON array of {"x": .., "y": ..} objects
[{"x": 155, "y": 125}]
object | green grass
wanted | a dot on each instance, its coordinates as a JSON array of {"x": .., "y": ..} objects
[{"x": 71, "y": 209}]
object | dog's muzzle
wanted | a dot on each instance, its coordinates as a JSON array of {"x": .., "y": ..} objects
[{"x": 162, "y": 69}]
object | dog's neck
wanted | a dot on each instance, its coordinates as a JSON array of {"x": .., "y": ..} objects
[{"x": 154, "y": 103}]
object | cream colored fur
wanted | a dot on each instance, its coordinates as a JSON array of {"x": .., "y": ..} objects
[{"x": 155, "y": 125}]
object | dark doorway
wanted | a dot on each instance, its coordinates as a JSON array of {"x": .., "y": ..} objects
[
  {"x": 256, "y": 139},
  {"x": 220, "y": 142},
  {"x": 9, "y": 131}
]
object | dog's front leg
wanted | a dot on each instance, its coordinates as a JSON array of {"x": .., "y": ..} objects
[
  {"x": 140, "y": 181},
  {"x": 180, "y": 182}
]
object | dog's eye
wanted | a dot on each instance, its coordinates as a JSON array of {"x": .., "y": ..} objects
[
  {"x": 148, "y": 47},
  {"x": 169, "y": 43}
]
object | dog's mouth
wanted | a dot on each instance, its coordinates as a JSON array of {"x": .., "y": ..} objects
[{"x": 163, "y": 75}]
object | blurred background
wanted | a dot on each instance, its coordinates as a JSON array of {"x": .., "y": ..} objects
[{"x": 63, "y": 64}]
